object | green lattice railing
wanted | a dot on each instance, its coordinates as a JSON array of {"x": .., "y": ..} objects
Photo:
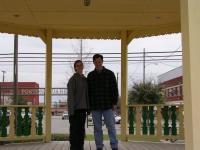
[
  {"x": 156, "y": 121},
  {"x": 21, "y": 122}
]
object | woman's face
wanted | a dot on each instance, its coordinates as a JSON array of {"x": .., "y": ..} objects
[{"x": 79, "y": 67}]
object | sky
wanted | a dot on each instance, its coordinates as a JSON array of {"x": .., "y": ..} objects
[{"x": 63, "y": 71}]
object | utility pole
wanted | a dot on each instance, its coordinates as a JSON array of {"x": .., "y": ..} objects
[
  {"x": 81, "y": 50},
  {"x": 15, "y": 69},
  {"x": 144, "y": 66},
  {"x": 3, "y": 88},
  {"x": 3, "y": 75}
]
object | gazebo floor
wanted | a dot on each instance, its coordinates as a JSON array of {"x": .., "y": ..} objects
[{"x": 90, "y": 145}]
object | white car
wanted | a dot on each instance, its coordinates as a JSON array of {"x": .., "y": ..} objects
[
  {"x": 117, "y": 119},
  {"x": 90, "y": 118},
  {"x": 65, "y": 115}
]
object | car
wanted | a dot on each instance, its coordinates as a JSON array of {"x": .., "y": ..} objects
[
  {"x": 23, "y": 114},
  {"x": 117, "y": 119},
  {"x": 65, "y": 115},
  {"x": 89, "y": 118}
]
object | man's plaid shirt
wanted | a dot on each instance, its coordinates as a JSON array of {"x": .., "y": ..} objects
[{"x": 102, "y": 88}]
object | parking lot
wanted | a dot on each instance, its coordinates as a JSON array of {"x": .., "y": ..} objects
[{"x": 62, "y": 126}]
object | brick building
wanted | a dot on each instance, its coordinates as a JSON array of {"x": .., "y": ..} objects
[
  {"x": 28, "y": 91},
  {"x": 172, "y": 82}
]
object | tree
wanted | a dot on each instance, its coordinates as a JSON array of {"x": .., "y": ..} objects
[
  {"x": 83, "y": 53},
  {"x": 145, "y": 93}
]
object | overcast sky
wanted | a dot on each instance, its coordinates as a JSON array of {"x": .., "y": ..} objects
[{"x": 62, "y": 72}]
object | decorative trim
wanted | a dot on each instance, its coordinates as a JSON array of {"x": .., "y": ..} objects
[{"x": 114, "y": 34}]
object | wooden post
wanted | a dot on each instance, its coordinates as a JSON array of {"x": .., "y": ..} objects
[
  {"x": 124, "y": 86},
  {"x": 48, "y": 86},
  {"x": 159, "y": 124},
  {"x": 190, "y": 23}
]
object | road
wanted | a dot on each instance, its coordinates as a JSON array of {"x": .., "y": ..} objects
[{"x": 62, "y": 126}]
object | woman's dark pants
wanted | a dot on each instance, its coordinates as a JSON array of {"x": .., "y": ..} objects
[{"x": 77, "y": 130}]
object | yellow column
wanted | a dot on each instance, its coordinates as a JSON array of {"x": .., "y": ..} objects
[
  {"x": 48, "y": 86},
  {"x": 190, "y": 23},
  {"x": 124, "y": 86}
]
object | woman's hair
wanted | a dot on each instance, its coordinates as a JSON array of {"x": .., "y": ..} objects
[{"x": 77, "y": 61}]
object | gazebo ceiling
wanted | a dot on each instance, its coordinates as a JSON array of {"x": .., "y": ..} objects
[{"x": 101, "y": 19}]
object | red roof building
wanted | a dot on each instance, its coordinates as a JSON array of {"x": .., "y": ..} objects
[
  {"x": 171, "y": 83},
  {"x": 28, "y": 91}
]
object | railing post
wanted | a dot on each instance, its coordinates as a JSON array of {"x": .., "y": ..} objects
[
  {"x": 33, "y": 118},
  {"x": 138, "y": 120},
  {"x": 181, "y": 122},
  {"x": 12, "y": 121},
  {"x": 159, "y": 124}
]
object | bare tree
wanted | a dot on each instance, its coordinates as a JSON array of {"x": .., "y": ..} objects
[{"x": 81, "y": 52}]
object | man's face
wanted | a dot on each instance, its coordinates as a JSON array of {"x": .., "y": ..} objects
[{"x": 98, "y": 63}]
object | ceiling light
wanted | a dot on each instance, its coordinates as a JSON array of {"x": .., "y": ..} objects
[
  {"x": 16, "y": 15},
  {"x": 86, "y": 2}
]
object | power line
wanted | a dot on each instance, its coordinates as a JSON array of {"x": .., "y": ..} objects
[
  {"x": 69, "y": 58},
  {"x": 92, "y": 53},
  {"x": 39, "y": 57},
  {"x": 32, "y": 61}
]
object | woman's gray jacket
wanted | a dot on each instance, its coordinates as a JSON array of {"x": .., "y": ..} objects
[{"x": 77, "y": 93}]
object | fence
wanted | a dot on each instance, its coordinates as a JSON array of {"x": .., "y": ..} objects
[{"x": 155, "y": 122}]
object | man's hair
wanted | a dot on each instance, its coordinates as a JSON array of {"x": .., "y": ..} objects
[
  {"x": 77, "y": 61},
  {"x": 97, "y": 56}
]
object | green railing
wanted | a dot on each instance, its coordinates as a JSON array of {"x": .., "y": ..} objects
[
  {"x": 21, "y": 122},
  {"x": 155, "y": 122}
]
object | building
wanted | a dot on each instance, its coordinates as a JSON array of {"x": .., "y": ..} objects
[
  {"x": 28, "y": 92},
  {"x": 171, "y": 83}
]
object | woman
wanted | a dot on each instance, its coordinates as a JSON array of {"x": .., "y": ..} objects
[{"x": 77, "y": 106}]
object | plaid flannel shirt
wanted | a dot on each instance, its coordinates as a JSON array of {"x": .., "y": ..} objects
[{"x": 102, "y": 89}]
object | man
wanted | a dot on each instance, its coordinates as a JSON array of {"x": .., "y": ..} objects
[{"x": 103, "y": 97}]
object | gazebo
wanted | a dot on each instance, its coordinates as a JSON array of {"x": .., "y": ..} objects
[{"x": 112, "y": 19}]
